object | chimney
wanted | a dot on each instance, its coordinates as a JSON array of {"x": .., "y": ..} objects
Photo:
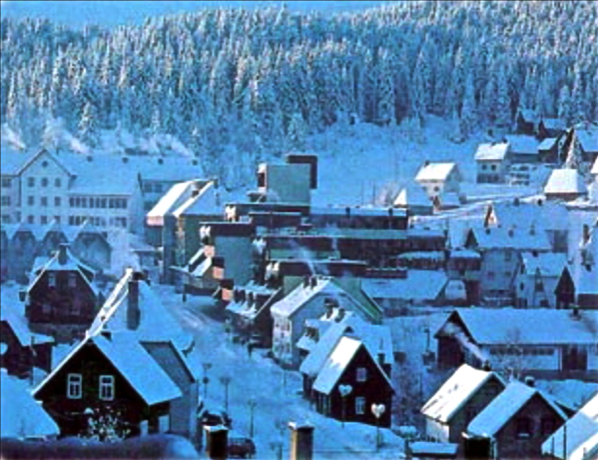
[
  {"x": 62, "y": 253},
  {"x": 302, "y": 441},
  {"x": 341, "y": 314},
  {"x": 530, "y": 381},
  {"x": 486, "y": 366},
  {"x": 107, "y": 334},
  {"x": 133, "y": 311},
  {"x": 532, "y": 230},
  {"x": 585, "y": 234},
  {"x": 348, "y": 211},
  {"x": 216, "y": 442},
  {"x": 313, "y": 281},
  {"x": 306, "y": 281},
  {"x": 511, "y": 232}
]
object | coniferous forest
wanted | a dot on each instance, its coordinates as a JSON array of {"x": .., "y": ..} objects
[{"x": 233, "y": 81}]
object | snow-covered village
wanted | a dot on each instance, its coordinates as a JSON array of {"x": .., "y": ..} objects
[{"x": 299, "y": 230}]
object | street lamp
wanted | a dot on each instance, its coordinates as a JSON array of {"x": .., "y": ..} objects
[
  {"x": 344, "y": 390},
  {"x": 225, "y": 380},
  {"x": 206, "y": 367},
  {"x": 378, "y": 410},
  {"x": 251, "y": 403}
]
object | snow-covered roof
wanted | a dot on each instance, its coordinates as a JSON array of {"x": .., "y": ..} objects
[
  {"x": 175, "y": 197},
  {"x": 377, "y": 339},
  {"x": 492, "y": 152},
  {"x": 435, "y": 171},
  {"x": 595, "y": 167},
  {"x": 14, "y": 315},
  {"x": 581, "y": 435},
  {"x": 462, "y": 253},
  {"x": 488, "y": 326},
  {"x": 427, "y": 449},
  {"x": 565, "y": 181},
  {"x": 588, "y": 138},
  {"x": 529, "y": 115},
  {"x": 554, "y": 123},
  {"x": 361, "y": 211},
  {"x": 21, "y": 415},
  {"x": 504, "y": 407},
  {"x": 585, "y": 280},
  {"x": 156, "y": 323},
  {"x": 337, "y": 363},
  {"x": 549, "y": 264},
  {"x": 547, "y": 143},
  {"x": 11, "y": 161},
  {"x": 521, "y": 214},
  {"x": 456, "y": 392},
  {"x": 522, "y": 144},
  {"x": 511, "y": 238},
  {"x": 419, "y": 285},
  {"x": 134, "y": 363},
  {"x": 412, "y": 195},
  {"x": 325, "y": 287},
  {"x": 206, "y": 202}
]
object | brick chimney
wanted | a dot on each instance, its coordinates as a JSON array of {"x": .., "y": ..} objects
[
  {"x": 62, "y": 253},
  {"x": 216, "y": 442},
  {"x": 133, "y": 310},
  {"x": 302, "y": 441}
]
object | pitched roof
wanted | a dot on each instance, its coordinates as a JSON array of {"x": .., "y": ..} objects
[
  {"x": 565, "y": 181},
  {"x": 206, "y": 202},
  {"x": 588, "y": 138},
  {"x": 488, "y": 326},
  {"x": 595, "y": 167},
  {"x": 419, "y": 285},
  {"x": 510, "y": 238},
  {"x": 338, "y": 361},
  {"x": 412, "y": 195},
  {"x": 554, "y": 123},
  {"x": 156, "y": 323},
  {"x": 134, "y": 363},
  {"x": 456, "y": 392},
  {"x": 21, "y": 415},
  {"x": 581, "y": 435},
  {"x": 504, "y": 407},
  {"x": 325, "y": 287},
  {"x": 529, "y": 115},
  {"x": 435, "y": 171},
  {"x": 521, "y": 214},
  {"x": 14, "y": 315},
  {"x": 522, "y": 144},
  {"x": 175, "y": 197},
  {"x": 492, "y": 152},
  {"x": 547, "y": 143},
  {"x": 549, "y": 264}
]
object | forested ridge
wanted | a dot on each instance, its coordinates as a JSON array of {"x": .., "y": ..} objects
[{"x": 234, "y": 80}]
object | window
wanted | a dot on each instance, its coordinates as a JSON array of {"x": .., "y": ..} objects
[
  {"x": 72, "y": 280},
  {"x": 43, "y": 219},
  {"x": 74, "y": 386},
  {"x": 31, "y": 181},
  {"x": 57, "y": 219},
  {"x": 362, "y": 374},
  {"x": 31, "y": 200},
  {"x": 6, "y": 182},
  {"x": 539, "y": 286},
  {"x": 57, "y": 182},
  {"x": 44, "y": 201},
  {"x": 164, "y": 423},
  {"x": 490, "y": 275},
  {"x": 5, "y": 201},
  {"x": 106, "y": 387},
  {"x": 508, "y": 256},
  {"x": 493, "y": 167},
  {"x": 44, "y": 181},
  {"x": 523, "y": 428},
  {"x": 30, "y": 220},
  {"x": 5, "y": 219},
  {"x": 360, "y": 405},
  {"x": 57, "y": 201},
  {"x": 51, "y": 279},
  {"x": 484, "y": 167}
]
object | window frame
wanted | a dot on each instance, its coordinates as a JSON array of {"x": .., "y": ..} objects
[
  {"x": 106, "y": 383},
  {"x": 74, "y": 382},
  {"x": 360, "y": 405},
  {"x": 361, "y": 374}
]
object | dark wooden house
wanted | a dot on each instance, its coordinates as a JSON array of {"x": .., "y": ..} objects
[
  {"x": 109, "y": 373},
  {"x": 463, "y": 396},
  {"x": 21, "y": 349},
  {"x": 551, "y": 128},
  {"x": 351, "y": 365},
  {"x": 526, "y": 121},
  {"x": 61, "y": 297},
  {"x": 514, "y": 424}
]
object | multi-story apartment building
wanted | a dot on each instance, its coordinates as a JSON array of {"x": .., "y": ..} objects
[{"x": 109, "y": 191}]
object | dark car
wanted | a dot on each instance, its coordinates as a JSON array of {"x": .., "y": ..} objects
[{"x": 240, "y": 446}]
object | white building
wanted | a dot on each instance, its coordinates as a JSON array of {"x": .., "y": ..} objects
[
  {"x": 492, "y": 162},
  {"x": 438, "y": 178},
  {"x": 108, "y": 190}
]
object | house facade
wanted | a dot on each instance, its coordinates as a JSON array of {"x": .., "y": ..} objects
[
  {"x": 351, "y": 365},
  {"x": 536, "y": 279},
  {"x": 458, "y": 401},
  {"x": 438, "y": 178},
  {"x": 492, "y": 163},
  {"x": 107, "y": 374}
]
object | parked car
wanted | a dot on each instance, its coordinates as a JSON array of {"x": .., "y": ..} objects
[{"x": 240, "y": 446}]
